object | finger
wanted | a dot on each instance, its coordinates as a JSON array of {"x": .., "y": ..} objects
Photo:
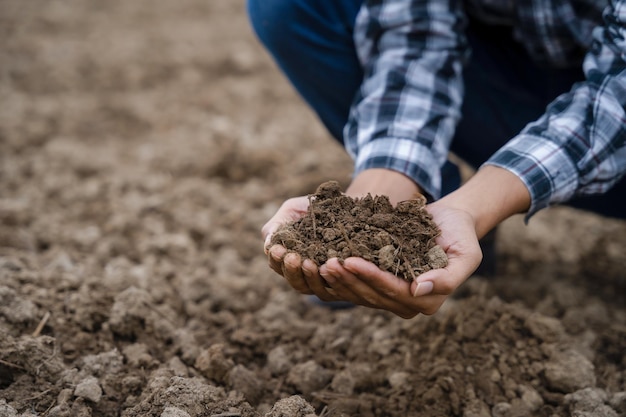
[
  {"x": 332, "y": 292},
  {"x": 429, "y": 304},
  {"x": 406, "y": 307},
  {"x": 267, "y": 244},
  {"x": 446, "y": 280},
  {"x": 275, "y": 257},
  {"x": 437, "y": 282},
  {"x": 292, "y": 271},
  {"x": 310, "y": 269},
  {"x": 349, "y": 286},
  {"x": 393, "y": 292},
  {"x": 273, "y": 224},
  {"x": 311, "y": 275},
  {"x": 290, "y": 210},
  {"x": 383, "y": 283},
  {"x": 317, "y": 283},
  {"x": 267, "y": 231}
]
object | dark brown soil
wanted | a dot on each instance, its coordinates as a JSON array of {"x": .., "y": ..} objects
[
  {"x": 143, "y": 145},
  {"x": 398, "y": 239}
]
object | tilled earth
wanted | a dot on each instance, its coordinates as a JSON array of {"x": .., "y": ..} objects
[{"x": 143, "y": 145}]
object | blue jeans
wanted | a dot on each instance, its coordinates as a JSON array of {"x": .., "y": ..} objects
[{"x": 311, "y": 41}]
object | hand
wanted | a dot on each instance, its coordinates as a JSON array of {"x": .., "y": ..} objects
[
  {"x": 490, "y": 196},
  {"x": 464, "y": 216},
  {"x": 303, "y": 275},
  {"x": 363, "y": 283}
]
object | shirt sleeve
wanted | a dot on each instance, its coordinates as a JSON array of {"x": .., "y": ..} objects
[
  {"x": 578, "y": 146},
  {"x": 404, "y": 115}
]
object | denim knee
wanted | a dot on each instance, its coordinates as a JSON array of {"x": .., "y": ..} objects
[
  {"x": 273, "y": 21},
  {"x": 311, "y": 41}
]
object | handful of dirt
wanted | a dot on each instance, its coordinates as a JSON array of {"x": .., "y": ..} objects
[{"x": 400, "y": 239}]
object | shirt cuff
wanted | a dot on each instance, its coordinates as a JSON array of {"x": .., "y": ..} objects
[
  {"x": 406, "y": 156},
  {"x": 549, "y": 174}
]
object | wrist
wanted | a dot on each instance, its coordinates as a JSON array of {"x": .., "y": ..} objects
[
  {"x": 379, "y": 181},
  {"x": 492, "y": 195}
]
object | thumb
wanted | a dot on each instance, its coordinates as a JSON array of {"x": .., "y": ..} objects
[
  {"x": 443, "y": 281},
  {"x": 267, "y": 231},
  {"x": 290, "y": 210}
]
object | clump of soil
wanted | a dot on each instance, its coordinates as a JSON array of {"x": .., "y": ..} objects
[{"x": 397, "y": 239}]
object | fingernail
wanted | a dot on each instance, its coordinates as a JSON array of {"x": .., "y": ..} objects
[
  {"x": 327, "y": 277},
  {"x": 423, "y": 288},
  {"x": 266, "y": 245},
  {"x": 275, "y": 256}
]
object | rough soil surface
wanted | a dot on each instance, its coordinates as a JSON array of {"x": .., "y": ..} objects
[
  {"x": 397, "y": 239},
  {"x": 143, "y": 144}
]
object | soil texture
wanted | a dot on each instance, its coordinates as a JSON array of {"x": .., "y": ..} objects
[
  {"x": 143, "y": 145},
  {"x": 397, "y": 239}
]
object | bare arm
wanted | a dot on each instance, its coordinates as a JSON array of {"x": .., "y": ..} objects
[
  {"x": 492, "y": 195},
  {"x": 395, "y": 185}
]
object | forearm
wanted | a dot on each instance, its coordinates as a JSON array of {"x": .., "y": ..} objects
[
  {"x": 383, "y": 182},
  {"x": 492, "y": 195},
  {"x": 577, "y": 147}
]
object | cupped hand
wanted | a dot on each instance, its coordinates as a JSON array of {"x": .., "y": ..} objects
[
  {"x": 490, "y": 196},
  {"x": 303, "y": 275},
  {"x": 363, "y": 283}
]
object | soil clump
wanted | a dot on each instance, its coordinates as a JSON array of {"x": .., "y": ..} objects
[{"x": 400, "y": 239}]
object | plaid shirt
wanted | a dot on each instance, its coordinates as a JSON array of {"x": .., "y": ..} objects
[{"x": 406, "y": 111}]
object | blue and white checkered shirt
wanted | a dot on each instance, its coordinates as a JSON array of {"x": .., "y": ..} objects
[{"x": 406, "y": 111}]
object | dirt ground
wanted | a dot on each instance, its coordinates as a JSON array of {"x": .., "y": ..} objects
[{"x": 143, "y": 144}]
